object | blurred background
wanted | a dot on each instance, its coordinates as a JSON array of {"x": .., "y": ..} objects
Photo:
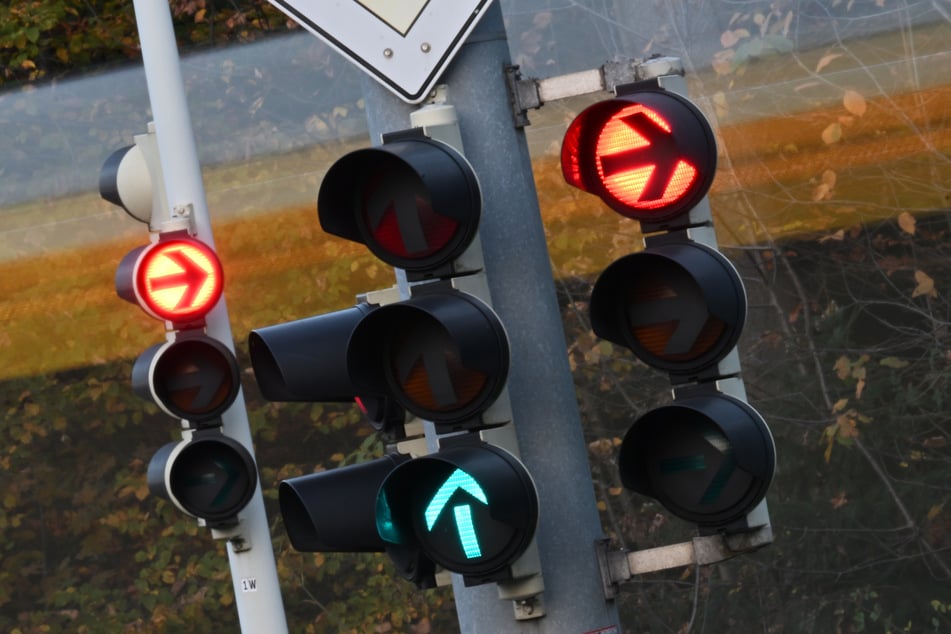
[{"x": 832, "y": 197}]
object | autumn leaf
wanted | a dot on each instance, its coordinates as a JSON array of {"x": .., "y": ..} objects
[
  {"x": 893, "y": 362},
  {"x": 825, "y": 60},
  {"x": 847, "y": 426},
  {"x": 825, "y": 187},
  {"x": 730, "y": 38},
  {"x": 907, "y": 223},
  {"x": 839, "y": 501},
  {"x": 832, "y": 133},
  {"x": 838, "y": 236},
  {"x": 924, "y": 285},
  {"x": 854, "y": 102},
  {"x": 829, "y": 435},
  {"x": 860, "y": 384},
  {"x": 842, "y": 367}
]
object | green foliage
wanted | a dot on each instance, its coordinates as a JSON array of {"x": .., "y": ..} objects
[{"x": 46, "y": 38}]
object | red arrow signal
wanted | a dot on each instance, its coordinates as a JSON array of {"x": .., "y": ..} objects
[
  {"x": 641, "y": 161},
  {"x": 650, "y": 155},
  {"x": 181, "y": 272},
  {"x": 178, "y": 280}
]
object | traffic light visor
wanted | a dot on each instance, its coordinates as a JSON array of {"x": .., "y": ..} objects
[
  {"x": 335, "y": 510},
  {"x": 306, "y": 360}
]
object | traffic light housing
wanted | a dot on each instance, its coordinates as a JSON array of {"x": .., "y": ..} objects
[
  {"x": 207, "y": 475},
  {"x": 471, "y": 508},
  {"x": 191, "y": 376},
  {"x": 194, "y": 377},
  {"x": 442, "y": 355},
  {"x": 414, "y": 202},
  {"x": 649, "y": 155},
  {"x": 708, "y": 459},
  {"x": 679, "y": 305},
  {"x": 432, "y": 349}
]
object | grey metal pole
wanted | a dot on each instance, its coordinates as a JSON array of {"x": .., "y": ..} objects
[
  {"x": 250, "y": 554},
  {"x": 545, "y": 411}
]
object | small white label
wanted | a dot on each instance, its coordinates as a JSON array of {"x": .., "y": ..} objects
[{"x": 249, "y": 585}]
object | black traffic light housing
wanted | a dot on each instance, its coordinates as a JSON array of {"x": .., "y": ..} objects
[
  {"x": 443, "y": 355},
  {"x": 679, "y": 305},
  {"x": 207, "y": 475},
  {"x": 305, "y": 360},
  {"x": 414, "y": 202},
  {"x": 433, "y": 349},
  {"x": 472, "y": 508},
  {"x": 719, "y": 438}
]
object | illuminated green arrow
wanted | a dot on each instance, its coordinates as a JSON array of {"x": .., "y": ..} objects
[{"x": 462, "y": 512}]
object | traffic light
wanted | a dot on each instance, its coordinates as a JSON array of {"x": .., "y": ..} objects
[
  {"x": 649, "y": 156},
  {"x": 471, "y": 508},
  {"x": 178, "y": 279},
  {"x": 679, "y": 305},
  {"x": 433, "y": 350}
]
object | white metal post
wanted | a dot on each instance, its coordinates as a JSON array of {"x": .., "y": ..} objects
[{"x": 250, "y": 554}]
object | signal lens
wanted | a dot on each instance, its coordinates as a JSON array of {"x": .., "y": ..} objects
[
  {"x": 649, "y": 155},
  {"x": 403, "y": 222},
  {"x": 179, "y": 280},
  {"x": 679, "y": 307},
  {"x": 427, "y": 367},
  {"x": 658, "y": 339}
]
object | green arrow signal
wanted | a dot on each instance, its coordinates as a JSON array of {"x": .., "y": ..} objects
[
  {"x": 463, "y": 512},
  {"x": 698, "y": 462}
]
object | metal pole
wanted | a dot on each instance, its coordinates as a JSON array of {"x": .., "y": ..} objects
[
  {"x": 250, "y": 554},
  {"x": 542, "y": 392}
]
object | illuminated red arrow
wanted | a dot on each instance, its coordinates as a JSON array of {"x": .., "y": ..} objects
[
  {"x": 178, "y": 279},
  {"x": 191, "y": 277},
  {"x": 658, "y": 152}
]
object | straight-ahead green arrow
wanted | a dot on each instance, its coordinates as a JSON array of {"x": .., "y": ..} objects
[{"x": 462, "y": 513}]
